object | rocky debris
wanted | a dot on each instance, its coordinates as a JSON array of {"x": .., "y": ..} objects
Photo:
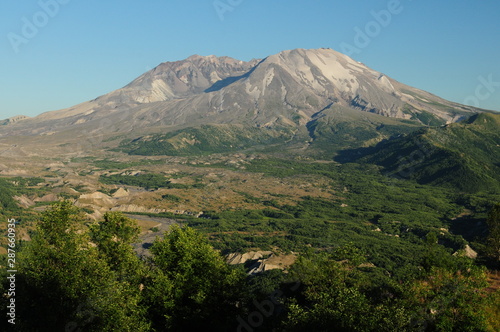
[
  {"x": 261, "y": 261},
  {"x": 188, "y": 213},
  {"x": 24, "y": 201},
  {"x": 47, "y": 198},
  {"x": 469, "y": 252},
  {"x": 262, "y": 267},
  {"x": 70, "y": 191},
  {"x": 99, "y": 202},
  {"x": 121, "y": 193},
  {"x": 96, "y": 199},
  {"x": 466, "y": 252},
  {"x": 237, "y": 258},
  {"x": 68, "y": 185},
  {"x": 136, "y": 208},
  {"x": 127, "y": 173}
]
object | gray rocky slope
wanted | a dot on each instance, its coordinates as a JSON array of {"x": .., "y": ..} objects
[{"x": 291, "y": 88}]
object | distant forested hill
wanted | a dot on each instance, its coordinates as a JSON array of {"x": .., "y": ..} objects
[{"x": 463, "y": 155}]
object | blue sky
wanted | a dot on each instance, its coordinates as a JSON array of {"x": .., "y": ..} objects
[{"x": 58, "y": 53}]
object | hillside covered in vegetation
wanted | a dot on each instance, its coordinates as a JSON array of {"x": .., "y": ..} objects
[
  {"x": 463, "y": 155},
  {"x": 399, "y": 229},
  {"x": 91, "y": 274}
]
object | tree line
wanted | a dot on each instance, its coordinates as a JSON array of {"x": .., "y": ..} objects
[{"x": 80, "y": 276}]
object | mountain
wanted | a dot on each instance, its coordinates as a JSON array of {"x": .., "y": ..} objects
[
  {"x": 305, "y": 98},
  {"x": 175, "y": 80},
  {"x": 168, "y": 81},
  {"x": 462, "y": 155}
]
